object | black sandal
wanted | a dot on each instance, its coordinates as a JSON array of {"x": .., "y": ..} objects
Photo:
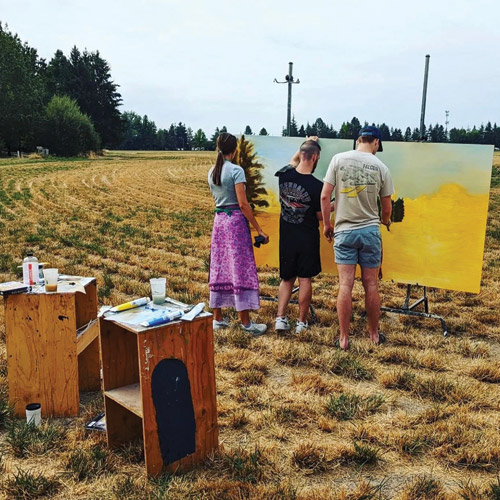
[{"x": 381, "y": 338}]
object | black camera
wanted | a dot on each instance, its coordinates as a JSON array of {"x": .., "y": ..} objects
[{"x": 259, "y": 240}]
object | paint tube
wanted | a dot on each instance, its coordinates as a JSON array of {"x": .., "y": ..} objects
[
  {"x": 130, "y": 305},
  {"x": 164, "y": 317},
  {"x": 197, "y": 309}
]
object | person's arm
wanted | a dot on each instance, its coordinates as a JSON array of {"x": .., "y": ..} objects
[
  {"x": 295, "y": 160},
  {"x": 245, "y": 207},
  {"x": 386, "y": 203},
  {"x": 326, "y": 195}
]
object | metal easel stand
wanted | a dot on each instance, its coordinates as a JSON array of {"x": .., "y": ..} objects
[
  {"x": 408, "y": 309},
  {"x": 295, "y": 290}
]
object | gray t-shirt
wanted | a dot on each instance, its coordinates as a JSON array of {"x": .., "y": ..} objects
[
  {"x": 359, "y": 179},
  {"x": 225, "y": 194}
]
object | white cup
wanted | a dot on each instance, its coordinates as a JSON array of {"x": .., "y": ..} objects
[
  {"x": 158, "y": 290},
  {"x": 34, "y": 414},
  {"x": 51, "y": 276}
]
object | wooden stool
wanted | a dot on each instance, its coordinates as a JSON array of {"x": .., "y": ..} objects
[
  {"x": 52, "y": 349},
  {"x": 159, "y": 385}
]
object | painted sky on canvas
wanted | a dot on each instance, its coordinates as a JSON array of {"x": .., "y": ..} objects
[{"x": 445, "y": 188}]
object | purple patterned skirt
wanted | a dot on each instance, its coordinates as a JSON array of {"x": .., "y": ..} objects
[{"x": 233, "y": 276}]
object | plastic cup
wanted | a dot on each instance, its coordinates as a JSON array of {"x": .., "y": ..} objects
[
  {"x": 158, "y": 289},
  {"x": 50, "y": 276},
  {"x": 34, "y": 414}
]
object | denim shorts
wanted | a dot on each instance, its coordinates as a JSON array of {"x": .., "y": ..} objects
[{"x": 359, "y": 246}]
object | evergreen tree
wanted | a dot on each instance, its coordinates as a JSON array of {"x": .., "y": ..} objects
[
  {"x": 181, "y": 138},
  {"x": 248, "y": 130},
  {"x": 247, "y": 159},
  {"x": 407, "y": 136},
  {"x": 86, "y": 78},
  {"x": 263, "y": 131},
  {"x": 200, "y": 140},
  {"x": 22, "y": 92},
  {"x": 294, "y": 132},
  {"x": 397, "y": 135},
  {"x": 302, "y": 131}
]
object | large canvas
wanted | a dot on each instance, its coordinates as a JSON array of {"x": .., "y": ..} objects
[{"x": 440, "y": 208}]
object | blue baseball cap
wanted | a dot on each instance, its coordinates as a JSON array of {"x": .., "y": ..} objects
[{"x": 372, "y": 131}]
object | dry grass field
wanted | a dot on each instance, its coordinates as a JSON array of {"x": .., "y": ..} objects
[{"x": 417, "y": 418}]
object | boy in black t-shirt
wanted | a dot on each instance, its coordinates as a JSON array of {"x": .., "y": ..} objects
[{"x": 300, "y": 198}]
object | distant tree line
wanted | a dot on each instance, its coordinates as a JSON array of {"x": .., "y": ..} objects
[
  {"x": 489, "y": 134},
  {"x": 142, "y": 134},
  {"x": 69, "y": 104}
]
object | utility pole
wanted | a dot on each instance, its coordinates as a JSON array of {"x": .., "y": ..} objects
[
  {"x": 424, "y": 97},
  {"x": 446, "y": 122},
  {"x": 289, "y": 79}
]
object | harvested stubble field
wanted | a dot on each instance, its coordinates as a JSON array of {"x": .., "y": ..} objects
[{"x": 417, "y": 418}]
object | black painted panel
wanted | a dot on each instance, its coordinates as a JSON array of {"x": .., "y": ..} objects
[{"x": 174, "y": 410}]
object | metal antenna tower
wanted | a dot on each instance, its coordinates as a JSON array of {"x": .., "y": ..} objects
[{"x": 289, "y": 79}]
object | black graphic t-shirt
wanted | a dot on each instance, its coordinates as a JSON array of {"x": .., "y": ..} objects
[{"x": 300, "y": 198}]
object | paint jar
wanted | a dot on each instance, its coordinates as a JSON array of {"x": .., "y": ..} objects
[
  {"x": 34, "y": 414},
  {"x": 158, "y": 290}
]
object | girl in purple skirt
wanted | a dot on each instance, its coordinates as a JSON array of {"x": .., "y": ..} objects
[{"x": 233, "y": 275}]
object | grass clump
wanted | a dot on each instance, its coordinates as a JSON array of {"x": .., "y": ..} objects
[
  {"x": 88, "y": 463},
  {"x": 309, "y": 458},
  {"x": 424, "y": 488},
  {"x": 25, "y": 485},
  {"x": 486, "y": 372},
  {"x": 246, "y": 466},
  {"x": 349, "y": 406},
  {"x": 345, "y": 364},
  {"x": 27, "y": 439}
]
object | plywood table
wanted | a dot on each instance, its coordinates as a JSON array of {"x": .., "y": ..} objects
[
  {"x": 52, "y": 348},
  {"x": 159, "y": 387}
]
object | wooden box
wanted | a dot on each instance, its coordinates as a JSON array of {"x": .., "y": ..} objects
[
  {"x": 52, "y": 349},
  {"x": 159, "y": 387}
]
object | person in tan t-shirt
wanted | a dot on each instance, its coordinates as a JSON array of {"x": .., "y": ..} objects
[{"x": 359, "y": 180}]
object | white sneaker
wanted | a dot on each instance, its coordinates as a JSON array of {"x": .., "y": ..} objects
[
  {"x": 281, "y": 324},
  {"x": 301, "y": 326},
  {"x": 220, "y": 325},
  {"x": 256, "y": 329}
]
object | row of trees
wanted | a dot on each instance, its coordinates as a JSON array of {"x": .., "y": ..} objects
[
  {"x": 489, "y": 134},
  {"x": 69, "y": 104},
  {"x": 141, "y": 133}
]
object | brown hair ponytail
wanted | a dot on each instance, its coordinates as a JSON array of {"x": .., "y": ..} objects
[{"x": 226, "y": 144}]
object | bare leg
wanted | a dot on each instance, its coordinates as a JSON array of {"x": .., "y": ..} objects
[
  {"x": 372, "y": 300},
  {"x": 344, "y": 300},
  {"x": 305, "y": 295},
  {"x": 244, "y": 317},
  {"x": 217, "y": 313},
  {"x": 284, "y": 294}
]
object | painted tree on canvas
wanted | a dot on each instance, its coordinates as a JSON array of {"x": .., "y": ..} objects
[{"x": 247, "y": 159}]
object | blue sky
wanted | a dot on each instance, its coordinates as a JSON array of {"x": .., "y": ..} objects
[{"x": 210, "y": 64}]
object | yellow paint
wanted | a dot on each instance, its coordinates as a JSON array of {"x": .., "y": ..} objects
[{"x": 440, "y": 241}]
